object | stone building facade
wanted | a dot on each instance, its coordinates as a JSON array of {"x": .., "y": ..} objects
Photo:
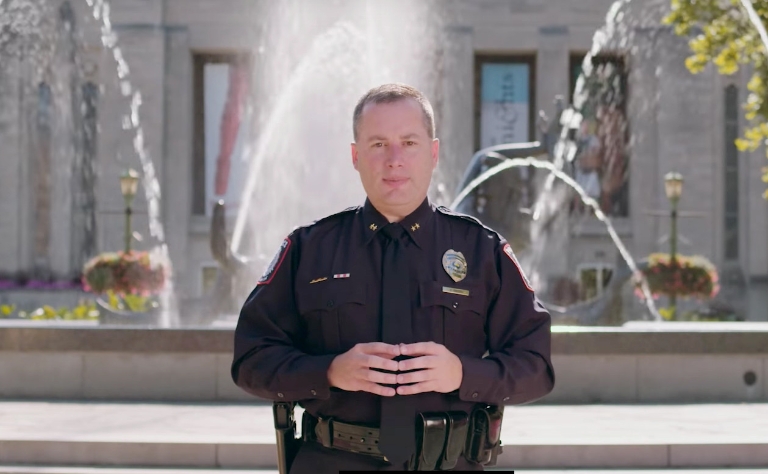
[{"x": 50, "y": 194}]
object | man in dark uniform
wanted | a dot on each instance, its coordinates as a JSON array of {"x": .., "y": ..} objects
[{"x": 383, "y": 318}]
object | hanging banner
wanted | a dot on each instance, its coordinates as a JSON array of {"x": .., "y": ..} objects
[
  {"x": 225, "y": 89},
  {"x": 505, "y": 108}
]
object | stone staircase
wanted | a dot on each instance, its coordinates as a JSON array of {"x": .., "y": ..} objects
[{"x": 58, "y": 437}]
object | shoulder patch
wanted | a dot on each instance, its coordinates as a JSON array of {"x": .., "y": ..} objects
[
  {"x": 508, "y": 250},
  {"x": 329, "y": 217},
  {"x": 274, "y": 265},
  {"x": 474, "y": 220}
]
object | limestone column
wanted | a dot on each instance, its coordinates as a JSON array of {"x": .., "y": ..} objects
[
  {"x": 12, "y": 189},
  {"x": 552, "y": 80},
  {"x": 177, "y": 208},
  {"x": 143, "y": 47},
  {"x": 456, "y": 129}
]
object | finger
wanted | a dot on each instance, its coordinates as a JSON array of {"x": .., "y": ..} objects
[
  {"x": 421, "y": 387},
  {"x": 422, "y": 362},
  {"x": 371, "y": 387},
  {"x": 375, "y": 362},
  {"x": 421, "y": 348},
  {"x": 378, "y": 348},
  {"x": 418, "y": 376},
  {"x": 379, "y": 377},
  {"x": 385, "y": 356}
]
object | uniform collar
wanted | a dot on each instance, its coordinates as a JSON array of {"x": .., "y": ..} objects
[{"x": 416, "y": 223}]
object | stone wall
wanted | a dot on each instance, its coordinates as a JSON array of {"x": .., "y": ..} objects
[{"x": 600, "y": 365}]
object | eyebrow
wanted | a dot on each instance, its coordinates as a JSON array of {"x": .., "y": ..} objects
[{"x": 383, "y": 139}]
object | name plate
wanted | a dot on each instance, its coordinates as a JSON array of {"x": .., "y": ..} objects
[{"x": 455, "y": 291}]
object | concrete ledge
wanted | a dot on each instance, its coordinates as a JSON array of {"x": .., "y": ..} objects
[
  {"x": 86, "y": 338},
  {"x": 668, "y": 338},
  {"x": 669, "y": 363}
]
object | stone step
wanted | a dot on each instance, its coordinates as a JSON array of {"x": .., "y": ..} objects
[
  {"x": 240, "y": 436},
  {"x": 39, "y": 469},
  {"x": 32, "y": 469}
]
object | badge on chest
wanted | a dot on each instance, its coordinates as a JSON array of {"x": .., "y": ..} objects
[{"x": 455, "y": 265}]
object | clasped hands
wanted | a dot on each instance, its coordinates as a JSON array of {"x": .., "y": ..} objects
[{"x": 435, "y": 369}]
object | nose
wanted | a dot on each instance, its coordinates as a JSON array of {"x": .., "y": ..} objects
[{"x": 394, "y": 156}]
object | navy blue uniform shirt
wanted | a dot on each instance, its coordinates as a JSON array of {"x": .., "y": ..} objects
[{"x": 322, "y": 295}]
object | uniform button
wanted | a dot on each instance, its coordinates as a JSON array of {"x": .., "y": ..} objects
[
  {"x": 313, "y": 392},
  {"x": 280, "y": 395},
  {"x": 474, "y": 395},
  {"x": 455, "y": 304},
  {"x": 330, "y": 303}
]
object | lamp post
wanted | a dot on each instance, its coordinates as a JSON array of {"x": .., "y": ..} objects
[
  {"x": 673, "y": 186},
  {"x": 129, "y": 182}
]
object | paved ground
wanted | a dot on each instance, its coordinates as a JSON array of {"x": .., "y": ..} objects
[
  {"x": 238, "y": 435},
  {"x": 92, "y": 470},
  {"x": 525, "y": 425}
]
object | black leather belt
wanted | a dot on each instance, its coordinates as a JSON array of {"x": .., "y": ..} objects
[
  {"x": 344, "y": 436},
  {"x": 441, "y": 438}
]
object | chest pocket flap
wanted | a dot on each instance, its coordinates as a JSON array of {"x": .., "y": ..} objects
[
  {"x": 329, "y": 295},
  {"x": 456, "y": 298}
]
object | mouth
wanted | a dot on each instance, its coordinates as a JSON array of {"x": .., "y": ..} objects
[{"x": 395, "y": 181}]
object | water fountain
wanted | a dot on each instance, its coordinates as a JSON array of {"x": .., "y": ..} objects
[
  {"x": 49, "y": 47},
  {"x": 557, "y": 143},
  {"x": 287, "y": 163},
  {"x": 342, "y": 51}
]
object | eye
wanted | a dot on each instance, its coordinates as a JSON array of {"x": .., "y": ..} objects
[
  {"x": 378, "y": 145},
  {"x": 410, "y": 143}
]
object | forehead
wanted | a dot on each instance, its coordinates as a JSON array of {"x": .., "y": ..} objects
[{"x": 404, "y": 115}]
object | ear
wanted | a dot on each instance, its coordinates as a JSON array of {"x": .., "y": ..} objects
[
  {"x": 353, "y": 147},
  {"x": 435, "y": 152}
]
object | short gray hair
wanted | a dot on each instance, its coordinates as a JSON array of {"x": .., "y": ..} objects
[{"x": 389, "y": 93}]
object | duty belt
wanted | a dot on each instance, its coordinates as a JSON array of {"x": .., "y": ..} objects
[{"x": 442, "y": 437}]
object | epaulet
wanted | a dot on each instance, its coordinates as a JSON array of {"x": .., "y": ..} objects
[
  {"x": 468, "y": 218},
  {"x": 327, "y": 218}
]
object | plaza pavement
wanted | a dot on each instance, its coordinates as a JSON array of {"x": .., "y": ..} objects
[{"x": 59, "y": 437}]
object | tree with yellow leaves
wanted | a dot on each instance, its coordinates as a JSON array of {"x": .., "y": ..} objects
[{"x": 721, "y": 33}]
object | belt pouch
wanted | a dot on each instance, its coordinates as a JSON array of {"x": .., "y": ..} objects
[
  {"x": 495, "y": 417},
  {"x": 476, "y": 441},
  {"x": 458, "y": 424},
  {"x": 432, "y": 440}
]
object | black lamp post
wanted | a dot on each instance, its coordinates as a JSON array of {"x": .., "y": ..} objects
[
  {"x": 129, "y": 183},
  {"x": 673, "y": 186}
]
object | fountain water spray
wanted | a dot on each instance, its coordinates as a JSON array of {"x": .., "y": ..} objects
[
  {"x": 755, "y": 19},
  {"x": 518, "y": 162},
  {"x": 101, "y": 11}
]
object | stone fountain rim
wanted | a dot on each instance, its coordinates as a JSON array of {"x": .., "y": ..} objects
[{"x": 608, "y": 341}]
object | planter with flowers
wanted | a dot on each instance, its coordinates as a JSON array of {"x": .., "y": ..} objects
[
  {"x": 127, "y": 285},
  {"x": 692, "y": 277}
]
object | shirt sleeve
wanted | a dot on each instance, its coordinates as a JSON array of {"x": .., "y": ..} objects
[
  {"x": 267, "y": 362},
  {"x": 517, "y": 367}
]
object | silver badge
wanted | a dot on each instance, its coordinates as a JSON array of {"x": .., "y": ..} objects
[{"x": 455, "y": 265}]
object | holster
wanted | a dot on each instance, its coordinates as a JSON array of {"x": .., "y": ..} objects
[
  {"x": 285, "y": 430},
  {"x": 484, "y": 442}
]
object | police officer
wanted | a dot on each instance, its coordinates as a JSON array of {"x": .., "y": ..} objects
[{"x": 391, "y": 323}]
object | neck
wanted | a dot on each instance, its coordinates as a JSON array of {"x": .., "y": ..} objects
[{"x": 398, "y": 213}]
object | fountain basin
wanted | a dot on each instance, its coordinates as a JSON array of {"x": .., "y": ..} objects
[{"x": 669, "y": 363}]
